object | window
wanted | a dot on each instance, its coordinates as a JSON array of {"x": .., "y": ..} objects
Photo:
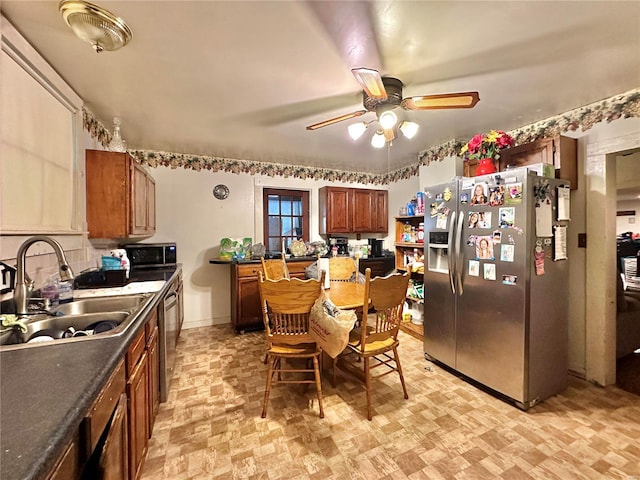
[{"x": 285, "y": 218}]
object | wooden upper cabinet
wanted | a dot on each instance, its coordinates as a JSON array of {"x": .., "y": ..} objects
[
  {"x": 363, "y": 211},
  {"x": 352, "y": 210},
  {"x": 121, "y": 196},
  {"x": 559, "y": 151},
  {"x": 335, "y": 210},
  {"x": 380, "y": 218}
]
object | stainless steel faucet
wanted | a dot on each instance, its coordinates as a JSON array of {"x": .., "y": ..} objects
[{"x": 24, "y": 284}]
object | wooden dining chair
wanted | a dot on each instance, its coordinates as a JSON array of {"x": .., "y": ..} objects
[
  {"x": 375, "y": 343},
  {"x": 286, "y": 305},
  {"x": 342, "y": 269},
  {"x": 275, "y": 269}
]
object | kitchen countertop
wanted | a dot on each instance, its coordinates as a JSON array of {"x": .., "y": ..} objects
[{"x": 46, "y": 391}]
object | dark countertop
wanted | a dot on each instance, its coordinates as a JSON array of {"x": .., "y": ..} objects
[{"x": 47, "y": 390}]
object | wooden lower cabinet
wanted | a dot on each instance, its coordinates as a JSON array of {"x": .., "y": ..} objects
[
  {"x": 154, "y": 378},
  {"x": 114, "y": 461},
  {"x": 246, "y": 313},
  {"x": 379, "y": 266},
  {"x": 68, "y": 465},
  {"x": 138, "y": 396}
]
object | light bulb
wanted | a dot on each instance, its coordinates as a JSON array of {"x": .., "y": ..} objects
[
  {"x": 356, "y": 130},
  {"x": 409, "y": 129},
  {"x": 378, "y": 140},
  {"x": 388, "y": 119}
]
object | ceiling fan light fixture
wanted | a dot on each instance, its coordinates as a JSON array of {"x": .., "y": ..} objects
[
  {"x": 95, "y": 25},
  {"x": 378, "y": 140},
  {"x": 356, "y": 130},
  {"x": 409, "y": 129},
  {"x": 388, "y": 119},
  {"x": 371, "y": 82}
]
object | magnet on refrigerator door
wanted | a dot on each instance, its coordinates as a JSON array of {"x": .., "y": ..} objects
[
  {"x": 509, "y": 279},
  {"x": 474, "y": 268},
  {"x": 496, "y": 196},
  {"x": 507, "y": 217},
  {"x": 484, "y": 247},
  {"x": 489, "y": 271},
  {"x": 514, "y": 194},
  {"x": 507, "y": 252},
  {"x": 479, "y": 196}
]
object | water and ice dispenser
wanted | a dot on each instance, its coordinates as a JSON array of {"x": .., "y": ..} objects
[{"x": 438, "y": 252}]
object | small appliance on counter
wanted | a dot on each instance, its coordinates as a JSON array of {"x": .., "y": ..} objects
[
  {"x": 151, "y": 255},
  {"x": 375, "y": 247},
  {"x": 341, "y": 244}
]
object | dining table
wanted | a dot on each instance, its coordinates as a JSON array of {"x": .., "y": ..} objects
[{"x": 346, "y": 295}]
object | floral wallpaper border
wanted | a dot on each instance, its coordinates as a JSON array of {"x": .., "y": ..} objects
[{"x": 625, "y": 105}]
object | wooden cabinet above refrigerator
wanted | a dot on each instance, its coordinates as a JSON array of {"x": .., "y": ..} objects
[
  {"x": 353, "y": 210},
  {"x": 121, "y": 196}
]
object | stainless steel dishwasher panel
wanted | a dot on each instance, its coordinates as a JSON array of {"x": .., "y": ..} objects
[{"x": 168, "y": 332}]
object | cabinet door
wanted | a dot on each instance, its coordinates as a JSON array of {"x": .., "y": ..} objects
[
  {"x": 151, "y": 205},
  {"x": 68, "y": 466},
  {"x": 153, "y": 374},
  {"x": 139, "y": 203},
  {"x": 380, "y": 217},
  {"x": 363, "y": 210},
  {"x": 339, "y": 210},
  {"x": 527, "y": 154},
  {"x": 114, "y": 459},
  {"x": 138, "y": 396},
  {"x": 249, "y": 311}
]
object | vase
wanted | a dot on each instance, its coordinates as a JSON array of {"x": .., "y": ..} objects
[{"x": 485, "y": 166}]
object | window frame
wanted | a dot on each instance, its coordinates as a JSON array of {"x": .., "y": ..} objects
[{"x": 305, "y": 214}]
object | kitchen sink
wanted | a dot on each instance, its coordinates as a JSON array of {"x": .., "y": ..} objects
[
  {"x": 119, "y": 303},
  {"x": 80, "y": 320}
]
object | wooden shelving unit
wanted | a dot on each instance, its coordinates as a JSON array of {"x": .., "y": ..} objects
[{"x": 402, "y": 250}]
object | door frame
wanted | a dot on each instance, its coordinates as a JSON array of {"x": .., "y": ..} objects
[{"x": 600, "y": 302}]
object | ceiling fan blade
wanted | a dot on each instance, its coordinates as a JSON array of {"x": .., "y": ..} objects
[
  {"x": 389, "y": 135},
  {"x": 331, "y": 121},
  {"x": 443, "y": 101},
  {"x": 371, "y": 82}
]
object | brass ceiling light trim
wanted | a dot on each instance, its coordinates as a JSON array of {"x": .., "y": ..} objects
[{"x": 93, "y": 24}]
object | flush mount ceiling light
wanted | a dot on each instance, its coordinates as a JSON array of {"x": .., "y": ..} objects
[{"x": 93, "y": 24}]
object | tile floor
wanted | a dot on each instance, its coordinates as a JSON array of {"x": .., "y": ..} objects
[{"x": 211, "y": 427}]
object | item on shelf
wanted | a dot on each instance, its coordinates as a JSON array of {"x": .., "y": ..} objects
[{"x": 298, "y": 248}]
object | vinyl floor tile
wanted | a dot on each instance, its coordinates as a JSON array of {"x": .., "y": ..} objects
[{"x": 210, "y": 427}]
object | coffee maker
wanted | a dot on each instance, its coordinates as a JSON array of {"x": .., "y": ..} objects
[
  {"x": 341, "y": 243},
  {"x": 375, "y": 247}
]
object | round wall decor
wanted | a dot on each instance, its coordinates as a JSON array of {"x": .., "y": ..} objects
[{"x": 221, "y": 192}]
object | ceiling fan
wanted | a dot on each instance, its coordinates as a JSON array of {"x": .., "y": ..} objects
[{"x": 383, "y": 94}]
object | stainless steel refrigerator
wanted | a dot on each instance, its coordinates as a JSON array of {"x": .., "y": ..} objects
[{"x": 496, "y": 282}]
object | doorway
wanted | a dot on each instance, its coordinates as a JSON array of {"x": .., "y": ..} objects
[
  {"x": 628, "y": 242},
  {"x": 600, "y": 331}
]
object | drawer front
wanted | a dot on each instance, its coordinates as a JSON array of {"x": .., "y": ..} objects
[
  {"x": 96, "y": 421},
  {"x": 250, "y": 270},
  {"x": 135, "y": 351},
  {"x": 297, "y": 267}
]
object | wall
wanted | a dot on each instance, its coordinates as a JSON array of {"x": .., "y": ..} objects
[
  {"x": 189, "y": 214},
  {"x": 628, "y": 223}
]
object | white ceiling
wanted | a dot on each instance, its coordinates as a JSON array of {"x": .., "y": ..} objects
[{"x": 242, "y": 79}]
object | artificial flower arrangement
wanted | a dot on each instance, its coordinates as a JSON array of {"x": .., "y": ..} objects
[{"x": 486, "y": 146}]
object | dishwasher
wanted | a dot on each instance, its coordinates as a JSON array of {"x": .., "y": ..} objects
[{"x": 168, "y": 337}]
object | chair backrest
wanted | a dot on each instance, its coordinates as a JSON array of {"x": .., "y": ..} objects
[
  {"x": 342, "y": 269},
  {"x": 275, "y": 269},
  {"x": 286, "y": 304},
  {"x": 385, "y": 297}
]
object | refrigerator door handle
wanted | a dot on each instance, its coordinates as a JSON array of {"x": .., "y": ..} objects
[
  {"x": 459, "y": 253},
  {"x": 451, "y": 253}
]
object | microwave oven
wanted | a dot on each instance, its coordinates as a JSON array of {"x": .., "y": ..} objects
[{"x": 151, "y": 255}]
